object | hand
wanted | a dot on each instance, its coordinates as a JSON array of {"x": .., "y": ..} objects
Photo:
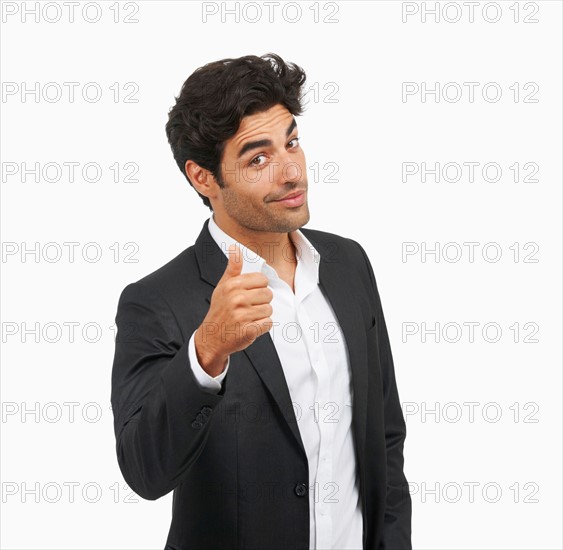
[{"x": 240, "y": 311}]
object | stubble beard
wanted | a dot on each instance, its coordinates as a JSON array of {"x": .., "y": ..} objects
[{"x": 269, "y": 218}]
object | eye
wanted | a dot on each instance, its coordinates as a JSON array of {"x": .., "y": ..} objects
[{"x": 253, "y": 163}]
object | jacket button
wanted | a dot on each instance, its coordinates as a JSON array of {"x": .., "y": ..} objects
[
  {"x": 200, "y": 417},
  {"x": 206, "y": 411},
  {"x": 300, "y": 489},
  {"x": 197, "y": 425}
]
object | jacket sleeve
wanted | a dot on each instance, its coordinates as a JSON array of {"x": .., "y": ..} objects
[
  {"x": 398, "y": 507},
  {"x": 161, "y": 414}
]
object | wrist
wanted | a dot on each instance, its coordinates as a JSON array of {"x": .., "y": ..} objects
[{"x": 212, "y": 361}]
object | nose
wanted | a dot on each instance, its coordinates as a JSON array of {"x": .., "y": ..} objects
[
  {"x": 292, "y": 171},
  {"x": 289, "y": 170}
]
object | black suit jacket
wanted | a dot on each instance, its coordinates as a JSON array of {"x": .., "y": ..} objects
[{"x": 235, "y": 460}]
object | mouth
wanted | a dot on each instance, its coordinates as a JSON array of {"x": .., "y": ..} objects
[{"x": 293, "y": 199}]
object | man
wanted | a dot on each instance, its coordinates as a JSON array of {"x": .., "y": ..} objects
[{"x": 253, "y": 374}]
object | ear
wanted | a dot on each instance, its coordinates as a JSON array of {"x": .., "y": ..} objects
[{"x": 202, "y": 179}]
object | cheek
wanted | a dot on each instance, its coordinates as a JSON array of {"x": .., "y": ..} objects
[
  {"x": 250, "y": 199},
  {"x": 250, "y": 177}
]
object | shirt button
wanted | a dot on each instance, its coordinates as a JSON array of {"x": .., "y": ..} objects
[{"x": 300, "y": 489}]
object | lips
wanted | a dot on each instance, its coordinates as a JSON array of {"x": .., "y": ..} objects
[
  {"x": 293, "y": 199},
  {"x": 291, "y": 196}
]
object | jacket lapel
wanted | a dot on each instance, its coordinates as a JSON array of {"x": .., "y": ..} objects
[
  {"x": 336, "y": 280},
  {"x": 262, "y": 352}
]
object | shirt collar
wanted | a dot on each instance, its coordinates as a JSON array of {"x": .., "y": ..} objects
[{"x": 308, "y": 258}]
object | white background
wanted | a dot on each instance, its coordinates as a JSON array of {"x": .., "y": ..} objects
[{"x": 366, "y": 53}]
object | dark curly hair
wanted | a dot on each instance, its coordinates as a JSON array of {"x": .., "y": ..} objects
[{"x": 216, "y": 97}]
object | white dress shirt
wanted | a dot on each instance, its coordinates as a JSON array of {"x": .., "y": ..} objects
[{"x": 314, "y": 358}]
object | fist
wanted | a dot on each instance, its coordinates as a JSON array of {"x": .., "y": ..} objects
[{"x": 239, "y": 312}]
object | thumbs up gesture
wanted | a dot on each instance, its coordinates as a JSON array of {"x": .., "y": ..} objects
[{"x": 240, "y": 311}]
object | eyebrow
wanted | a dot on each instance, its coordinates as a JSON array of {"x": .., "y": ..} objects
[{"x": 264, "y": 142}]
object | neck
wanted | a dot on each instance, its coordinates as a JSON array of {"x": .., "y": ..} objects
[{"x": 276, "y": 248}]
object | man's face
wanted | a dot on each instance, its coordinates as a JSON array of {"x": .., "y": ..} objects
[{"x": 263, "y": 162}]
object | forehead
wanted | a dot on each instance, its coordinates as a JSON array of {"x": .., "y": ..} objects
[{"x": 275, "y": 119}]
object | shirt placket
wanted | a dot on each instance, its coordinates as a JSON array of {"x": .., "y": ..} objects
[{"x": 323, "y": 488}]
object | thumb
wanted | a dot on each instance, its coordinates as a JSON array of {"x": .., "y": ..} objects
[{"x": 234, "y": 267}]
